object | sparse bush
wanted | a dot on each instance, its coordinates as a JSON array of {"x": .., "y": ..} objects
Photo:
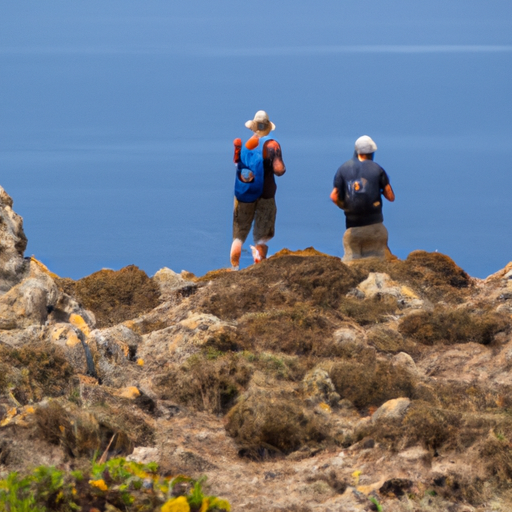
[
  {"x": 453, "y": 326},
  {"x": 295, "y": 330},
  {"x": 207, "y": 383},
  {"x": 370, "y": 383},
  {"x": 34, "y": 372},
  {"x": 114, "y": 296},
  {"x": 268, "y": 423},
  {"x": 369, "y": 311}
]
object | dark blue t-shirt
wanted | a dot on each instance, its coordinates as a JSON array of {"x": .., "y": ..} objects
[{"x": 360, "y": 185}]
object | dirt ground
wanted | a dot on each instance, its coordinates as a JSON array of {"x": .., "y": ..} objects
[{"x": 298, "y": 384}]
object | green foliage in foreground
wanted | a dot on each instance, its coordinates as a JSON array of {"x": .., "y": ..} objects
[{"x": 123, "y": 485}]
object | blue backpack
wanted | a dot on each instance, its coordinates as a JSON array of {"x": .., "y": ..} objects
[{"x": 250, "y": 160}]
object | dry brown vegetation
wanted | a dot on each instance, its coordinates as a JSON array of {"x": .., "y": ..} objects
[
  {"x": 114, "y": 296},
  {"x": 449, "y": 326},
  {"x": 283, "y": 317},
  {"x": 31, "y": 373},
  {"x": 267, "y": 422},
  {"x": 370, "y": 382}
]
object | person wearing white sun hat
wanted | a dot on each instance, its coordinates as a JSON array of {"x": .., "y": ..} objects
[{"x": 257, "y": 162}]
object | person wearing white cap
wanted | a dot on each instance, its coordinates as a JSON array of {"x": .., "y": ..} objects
[
  {"x": 359, "y": 185},
  {"x": 257, "y": 162}
]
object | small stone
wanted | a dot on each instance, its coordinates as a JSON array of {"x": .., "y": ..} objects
[
  {"x": 130, "y": 392},
  {"x": 392, "y": 409}
]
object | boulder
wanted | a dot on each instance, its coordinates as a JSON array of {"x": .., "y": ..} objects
[
  {"x": 114, "y": 349},
  {"x": 318, "y": 387},
  {"x": 379, "y": 283},
  {"x": 13, "y": 243},
  {"x": 392, "y": 409},
  {"x": 405, "y": 362},
  {"x": 170, "y": 282},
  {"x": 195, "y": 332},
  {"x": 27, "y": 303}
]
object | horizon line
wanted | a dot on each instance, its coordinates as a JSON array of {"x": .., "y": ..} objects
[{"x": 263, "y": 52}]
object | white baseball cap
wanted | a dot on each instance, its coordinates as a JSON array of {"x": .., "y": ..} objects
[{"x": 365, "y": 145}]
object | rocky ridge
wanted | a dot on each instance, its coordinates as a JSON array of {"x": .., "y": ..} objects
[{"x": 299, "y": 384}]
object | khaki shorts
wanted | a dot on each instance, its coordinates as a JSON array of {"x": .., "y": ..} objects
[
  {"x": 366, "y": 242},
  {"x": 262, "y": 212}
]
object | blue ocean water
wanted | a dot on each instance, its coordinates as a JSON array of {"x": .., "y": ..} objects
[{"x": 117, "y": 121}]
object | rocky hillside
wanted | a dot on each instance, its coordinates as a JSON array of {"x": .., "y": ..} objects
[{"x": 299, "y": 384}]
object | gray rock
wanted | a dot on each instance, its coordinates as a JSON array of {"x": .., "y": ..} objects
[
  {"x": 170, "y": 282},
  {"x": 405, "y": 361},
  {"x": 318, "y": 387},
  {"x": 27, "y": 303},
  {"x": 392, "y": 409},
  {"x": 378, "y": 283},
  {"x": 351, "y": 339},
  {"x": 13, "y": 243}
]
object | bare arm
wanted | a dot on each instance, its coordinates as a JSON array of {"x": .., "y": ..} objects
[
  {"x": 335, "y": 198},
  {"x": 272, "y": 151},
  {"x": 238, "y": 146},
  {"x": 388, "y": 193}
]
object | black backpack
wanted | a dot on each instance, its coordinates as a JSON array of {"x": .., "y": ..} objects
[{"x": 360, "y": 196}]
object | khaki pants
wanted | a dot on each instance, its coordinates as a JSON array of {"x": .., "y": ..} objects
[{"x": 366, "y": 242}]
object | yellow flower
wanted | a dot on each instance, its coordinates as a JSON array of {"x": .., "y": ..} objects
[
  {"x": 179, "y": 504},
  {"x": 140, "y": 361},
  {"x": 204, "y": 505},
  {"x": 355, "y": 475},
  {"x": 100, "y": 484},
  {"x": 222, "y": 504}
]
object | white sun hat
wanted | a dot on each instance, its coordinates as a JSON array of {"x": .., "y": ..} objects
[{"x": 260, "y": 125}]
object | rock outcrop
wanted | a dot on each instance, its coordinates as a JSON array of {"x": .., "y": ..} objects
[
  {"x": 298, "y": 384},
  {"x": 13, "y": 243}
]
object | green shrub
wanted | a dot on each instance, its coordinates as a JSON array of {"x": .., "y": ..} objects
[{"x": 126, "y": 485}]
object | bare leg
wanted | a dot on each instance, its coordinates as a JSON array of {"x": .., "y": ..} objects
[
  {"x": 259, "y": 251},
  {"x": 236, "y": 251}
]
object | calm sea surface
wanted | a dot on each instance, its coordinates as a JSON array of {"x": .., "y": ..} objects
[{"x": 116, "y": 126}]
